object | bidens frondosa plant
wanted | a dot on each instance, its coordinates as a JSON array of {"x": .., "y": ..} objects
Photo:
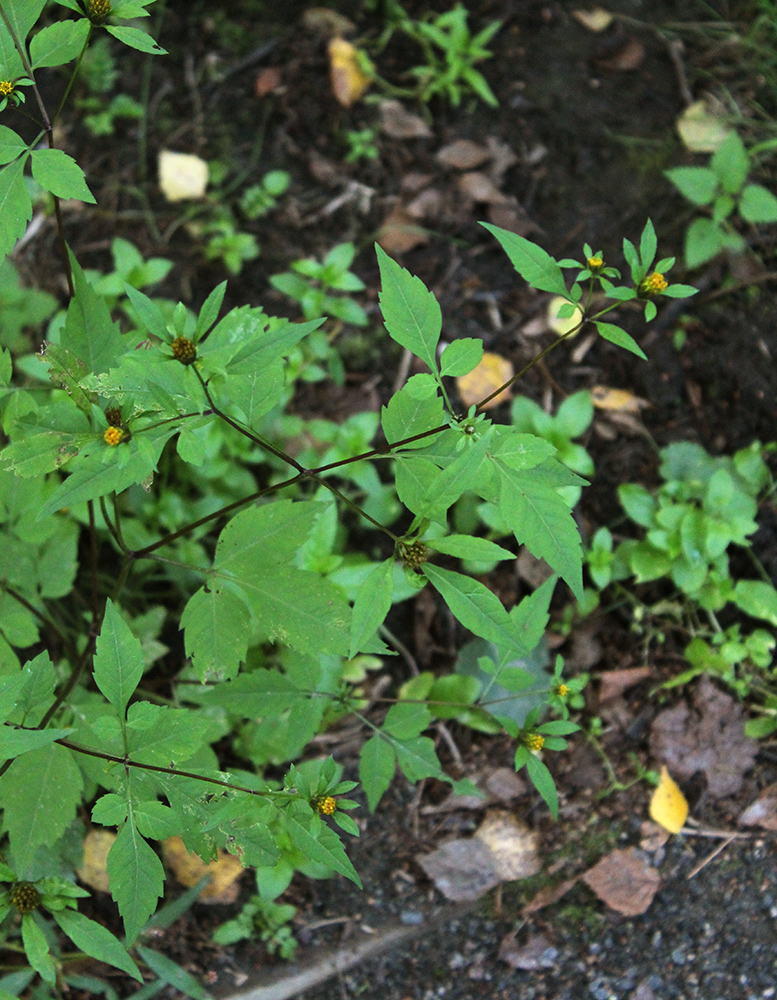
[{"x": 280, "y": 619}]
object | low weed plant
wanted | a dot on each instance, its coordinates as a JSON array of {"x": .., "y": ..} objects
[{"x": 147, "y": 488}]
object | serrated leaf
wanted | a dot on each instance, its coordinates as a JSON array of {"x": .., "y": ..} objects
[
  {"x": 136, "y": 879},
  {"x": 210, "y": 309},
  {"x": 136, "y": 39},
  {"x": 39, "y": 792},
  {"x": 533, "y": 263},
  {"x": 377, "y": 765},
  {"x": 97, "y": 941},
  {"x": 418, "y": 758},
  {"x": 461, "y": 356},
  {"x": 11, "y": 145},
  {"x": 14, "y": 742},
  {"x": 326, "y": 848},
  {"x": 155, "y": 820},
  {"x": 470, "y": 547},
  {"x": 15, "y": 205},
  {"x": 410, "y": 311},
  {"x": 473, "y": 604},
  {"x": 372, "y": 604},
  {"x": 118, "y": 660},
  {"x": 59, "y": 173},
  {"x": 110, "y": 810},
  {"x": 89, "y": 331},
  {"x": 58, "y": 43},
  {"x": 618, "y": 336},
  {"x": 405, "y": 720},
  {"x": 217, "y": 628}
]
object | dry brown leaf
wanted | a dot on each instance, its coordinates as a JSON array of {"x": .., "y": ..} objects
[
  {"x": 652, "y": 836},
  {"x": 537, "y": 953},
  {"x": 531, "y": 569},
  {"x": 625, "y": 58},
  {"x": 480, "y": 187},
  {"x": 92, "y": 871},
  {"x": 504, "y": 784},
  {"x": 400, "y": 232},
  {"x": 615, "y": 682},
  {"x": 710, "y": 738},
  {"x": 349, "y": 81},
  {"x": 618, "y": 400},
  {"x": 463, "y": 154},
  {"x": 426, "y": 205},
  {"x": 512, "y": 844},
  {"x": 398, "y": 123},
  {"x": 268, "y": 81},
  {"x": 327, "y": 22},
  {"x": 596, "y": 20},
  {"x": 549, "y": 894},
  {"x": 461, "y": 869},
  {"x": 189, "y": 869},
  {"x": 508, "y": 214},
  {"x": 624, "y": 881},
  {"x": 763, "y": 812},
  {"x": 182, "y": 175},
  {"x": 700, "y": 129},
  {"x": 491, "y": 371},
  {"x": 502, "y": 158}
]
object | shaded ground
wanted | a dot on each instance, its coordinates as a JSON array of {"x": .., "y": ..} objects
[{"x": 589, "y": 139}]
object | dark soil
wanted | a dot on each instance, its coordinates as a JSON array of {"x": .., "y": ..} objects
[{"x": 591, "y": 140}]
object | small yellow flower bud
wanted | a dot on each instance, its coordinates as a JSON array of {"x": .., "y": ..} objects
[
  {"x": 98, "y": 11},
  {"x": 113, "y": 436},
  {"x": 654, "y": 284},
  {"x": 325, "y": 804},
  {"x": 413, "y": 554},
  {"x": 184, "y": 350},
  {"x": 562, "y": 690},
  {"x": 595, "y": 263}
]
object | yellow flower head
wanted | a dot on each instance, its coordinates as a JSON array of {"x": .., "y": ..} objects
[
  {"x": 98, "y": 10},
  {"x": 654, "y": 284},
  {"x": 184, "y": 350},
  {"x": 6, "y": 87},
  {"x": 595, "y": 263},
  {"x": 325, "y": 804},
  {"x": 534, "y": 741},
  {"x": 562, "y": 690},
  {"x": 113, "y": 436}
]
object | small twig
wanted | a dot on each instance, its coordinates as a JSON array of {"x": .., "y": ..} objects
[{"x": 710, "y": 857}]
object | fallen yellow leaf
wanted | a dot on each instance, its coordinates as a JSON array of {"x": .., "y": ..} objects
[
  {"x": 668, "y": 806},
  {"x": 92, "y": 871},
  {"x": 492, "y": 371},
  {"x": 701, "y": 131},
  {"x": 558, "y": 324},
  {"x": 618, "y": 400},
  {"x": 189, "y": 869},
  {"x": 595, "y": 20},
  {"x": 182, "y": 175},
  {"x": 349, "y": 81}
]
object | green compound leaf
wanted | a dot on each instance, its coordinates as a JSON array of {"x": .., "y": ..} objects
[
  {"x": 410, "y": 311},
  {"x": 95, "y": 940},
  {"x": 474, "y": 605},
  {"x": 171, "y": 973},
  {"x": 118, "y": 660},
  {"x": 217, "y": 627},
  {"x": 36, "y": 948},
  {"x": 377, "y": 765},
  {"x": 372, "y": 604},
  {"x": 534, "y": 264},
  {"x": 58, "y": 43},
  {"x": 136, "y": 39},
  {"x": 39, "y": 793},
  {"x": 15, "y": 205},
  {"x": 618, "y": 336},
  {"x": 22, "y": 15},
  {"x": 14, "y": 742},
  {"x": 325, "y": 848},
  {"x": 89, "y": 331},
  {"x": 406, "y": 415},
  {"x": 59, "y": 173},
  {"x": 418, "y": 759},
  {"x": 136, "y": 878}
]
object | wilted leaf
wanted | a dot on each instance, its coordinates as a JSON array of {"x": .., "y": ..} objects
[
  {"x": 480, "y": 187},
  {"x": 396, "y": 121},
  {"x": 189, "y": 869},
  {"x": 349, "y": 81},
  {"x": 268, "y": 81},
  {"x": 400, "y": 232},
  {"x": 327, "y": 22},
  {"x": 701, "y": 131},
  {"x": 512, "y": 845},
  {"x": 549, "y": 894},
  {"x": 615, "y": 682},
  {"x": 596, "y": 20},
  {"x": 710, "y": 738},
  {"x": 92, "y": 871},
  {"x": 461, "y": 869},
  {"x": 182, "y": 175},
  {"x": 463, "y": 154},
  {"x": 537, "y": 953},
  {"x": 668, "y": 806},
  {"x": 617, "y": 400},
  {"x": 627, "y": 56},
  {"x": 492, "y": 371},
  {"x": 624, "y": 881}
]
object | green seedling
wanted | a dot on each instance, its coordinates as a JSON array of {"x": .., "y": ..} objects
[
  {"x": 723, "y": 190},
  {"x": 310, "y": 283}
]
